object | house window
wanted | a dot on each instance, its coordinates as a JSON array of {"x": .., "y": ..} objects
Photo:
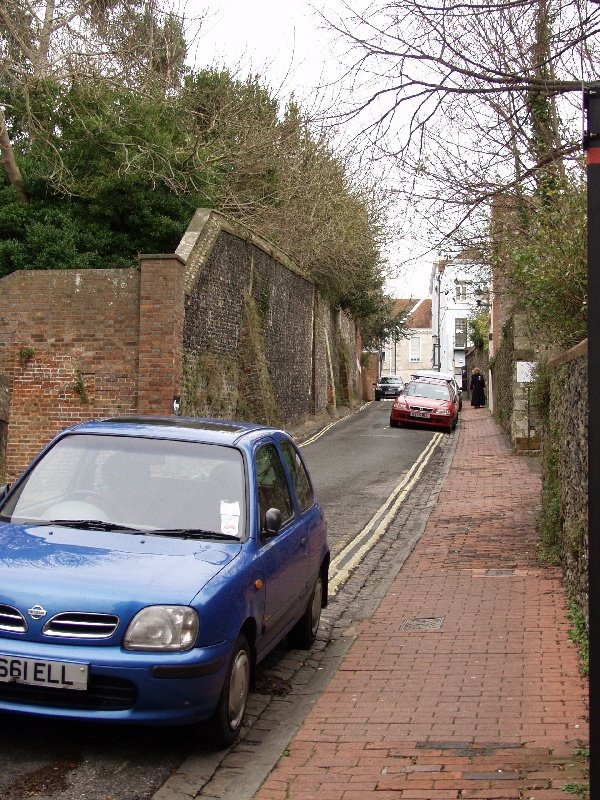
[
  {"x": 461, "y": 291},
  {"x": 460, "y": 333},
  {"x": 415, "y": 348}
]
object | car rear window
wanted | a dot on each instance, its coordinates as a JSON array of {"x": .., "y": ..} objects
[{"x": 433, "y": 391}]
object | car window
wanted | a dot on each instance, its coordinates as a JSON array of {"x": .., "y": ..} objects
[
  {"x": 433, "y": 391},
  {"x": 299, "y": 476},
  {"x": 273, "y": 490},
  {"x": 390, "y": 379},
  {"x": 146, "y": 483}
]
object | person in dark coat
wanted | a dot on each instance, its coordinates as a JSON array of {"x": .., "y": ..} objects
[{"x": 477, "y": 386}]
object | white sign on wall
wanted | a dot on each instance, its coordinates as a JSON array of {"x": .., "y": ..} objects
[{"x": 525, "y": 371}]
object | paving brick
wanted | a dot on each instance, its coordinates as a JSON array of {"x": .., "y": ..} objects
[{"x": 491, "y": 705}]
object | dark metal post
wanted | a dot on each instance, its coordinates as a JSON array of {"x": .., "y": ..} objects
[{"x": 592, "y": 146}]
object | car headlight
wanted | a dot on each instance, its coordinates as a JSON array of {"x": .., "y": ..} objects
[
  {"x": 443, "y": 411},
  {"x": 171, "y": 628}
]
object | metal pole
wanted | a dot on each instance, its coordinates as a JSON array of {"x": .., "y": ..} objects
[{"x": 591, "y": 101}]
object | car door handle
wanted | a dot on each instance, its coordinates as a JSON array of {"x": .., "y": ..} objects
[{"x": 303, "y": 541}]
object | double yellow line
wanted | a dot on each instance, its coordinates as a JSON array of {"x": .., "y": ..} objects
[
  {"x": 348, "y": 559},
  {"x": 327, "y": 427}
]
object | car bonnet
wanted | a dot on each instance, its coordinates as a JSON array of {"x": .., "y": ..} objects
[{"x": 97, "y": 569}]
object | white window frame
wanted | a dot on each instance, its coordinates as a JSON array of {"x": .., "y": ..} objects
[
  {"x": 412, "y": 358},
  {"x": 461, "y": 291}
]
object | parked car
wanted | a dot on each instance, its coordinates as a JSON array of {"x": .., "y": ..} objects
[
  {"x": 148, "y": 564},
  {"x": 426, "y": 402},
  {"x": 388, "y": 386},
  {"x": 440, "y": 376}
]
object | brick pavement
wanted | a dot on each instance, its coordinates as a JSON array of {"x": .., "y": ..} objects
[{"x": 463, "y": 683}]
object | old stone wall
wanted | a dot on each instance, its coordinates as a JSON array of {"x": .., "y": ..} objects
[
  {"x": 228, "y": 325},
  {"x": 503, "y": 367},
  {"x": 558, "y": 412},
  {"x": 566, "y": 436},
  {"x": 513, "y": 406},
  {"x": 269, "y": 348}
]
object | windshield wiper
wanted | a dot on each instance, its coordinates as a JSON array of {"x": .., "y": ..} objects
[
  {"x": 193, "y": 533},
  {"x": 91, "y": 525}
]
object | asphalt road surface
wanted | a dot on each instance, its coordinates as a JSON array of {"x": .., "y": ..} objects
[{"x": 355, "y": 466}]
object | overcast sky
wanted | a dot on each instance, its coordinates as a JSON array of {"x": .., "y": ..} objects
[{"x": 287, "y": 43}]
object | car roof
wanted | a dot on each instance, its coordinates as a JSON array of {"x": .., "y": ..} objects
[
  {"x": 427, "y": 379},
  {"x": 194, "y": 429},
  {"x": 426, "y": 373}
]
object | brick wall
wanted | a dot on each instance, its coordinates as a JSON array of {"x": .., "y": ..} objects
[
  {"x": 229, "y": 324},
  {"x": 161, "y": 322},
  {"x": 68, "y": 348}
]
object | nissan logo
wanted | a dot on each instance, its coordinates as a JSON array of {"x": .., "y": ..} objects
[{"x": 37, "y": 612}]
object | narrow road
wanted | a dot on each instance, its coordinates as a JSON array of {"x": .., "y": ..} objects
[{"x": 356, "y": 466}]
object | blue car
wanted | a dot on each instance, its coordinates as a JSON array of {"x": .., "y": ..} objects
[{"x": 148, "y": 564}]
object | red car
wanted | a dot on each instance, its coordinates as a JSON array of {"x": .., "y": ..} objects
[{"x": 426, "y": 402}]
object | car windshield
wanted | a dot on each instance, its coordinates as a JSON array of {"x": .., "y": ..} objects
[
  {"x": 136, "y": 483},
  {"x": 433, "y": 391},
  {"x": 390, "y": 379}
]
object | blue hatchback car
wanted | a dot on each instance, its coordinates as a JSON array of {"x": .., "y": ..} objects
[{"x": 148, "y": 564}]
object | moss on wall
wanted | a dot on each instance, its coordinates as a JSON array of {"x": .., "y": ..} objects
[
  {"x": 256, "y": 397},
  {"x": 209, "y": 386},
  {"x": 568, "y": 432},
  {"x": 502, "y": 366}
]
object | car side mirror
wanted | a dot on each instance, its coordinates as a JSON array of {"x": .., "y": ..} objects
[
  {"x": 4, "y": 490},
  {"x": 272, "y": 522}
]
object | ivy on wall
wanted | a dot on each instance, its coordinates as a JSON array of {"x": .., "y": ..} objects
[
  {"x": 502, "y": 371},
  {"x": 209, "y": 386},
  {"x": 256, "y": 397}
]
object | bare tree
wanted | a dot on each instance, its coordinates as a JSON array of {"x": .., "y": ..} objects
[
  {"x": 50, "y": 46},
  {"x": 469, "y": 98}
]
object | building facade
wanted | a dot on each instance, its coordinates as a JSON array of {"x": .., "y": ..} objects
[
  {"x": 401, "y": 355},
  {"x": 457, "y": 288}
]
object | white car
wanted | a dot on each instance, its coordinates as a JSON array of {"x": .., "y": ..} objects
[{"x": 440, "y": 376}]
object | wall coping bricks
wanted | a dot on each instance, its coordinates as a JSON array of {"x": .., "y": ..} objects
[
  {"x": 203, "y": 231},
  {"x": 577, "y": 351}
]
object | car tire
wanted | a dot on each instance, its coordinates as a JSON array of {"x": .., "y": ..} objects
[
  {"x": 377, "y": 397},
  {"x": 394, "y": 423},
  {"x": 304, "y": 632},
  {"x": 225, "y": 724}
]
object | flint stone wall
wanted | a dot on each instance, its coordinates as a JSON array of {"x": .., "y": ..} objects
[{"x": 228, "y": 326}]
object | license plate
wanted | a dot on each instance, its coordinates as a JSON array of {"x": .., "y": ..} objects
[
  {"x": 57, "y": 674},
  {"x": 421, "y": 414}
]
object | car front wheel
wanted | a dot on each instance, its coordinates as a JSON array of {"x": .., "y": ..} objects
[
  {"x": 394, "y": 423},
  {"x": 304, "y": 632},
  {"x": 226, "y": 722}
]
